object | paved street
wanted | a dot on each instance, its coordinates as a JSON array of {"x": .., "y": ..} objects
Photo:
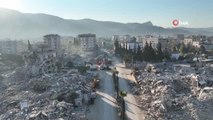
[
  {"x": 133, "y": 112},
  {"x": 105, "y": 104}
]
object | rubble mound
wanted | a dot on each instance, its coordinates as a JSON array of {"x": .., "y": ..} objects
[
  {"x": 172, "y": 96},
  {"x": 48, "y": 97}
]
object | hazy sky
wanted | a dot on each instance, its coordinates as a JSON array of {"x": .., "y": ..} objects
[{"x": 197, "y": 13}]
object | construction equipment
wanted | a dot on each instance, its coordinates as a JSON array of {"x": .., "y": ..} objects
[{"x": 96, "y": 84}]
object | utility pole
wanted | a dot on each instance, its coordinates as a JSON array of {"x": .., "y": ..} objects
[
  {"x": 116, "y": 81},
  {"x": 123, "y": 109},
  {"x": 117, "y": 85}
]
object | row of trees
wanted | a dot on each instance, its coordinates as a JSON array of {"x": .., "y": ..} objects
[
  {"x": 184, "y": 49},
  {"x": 148, "y": 53}
]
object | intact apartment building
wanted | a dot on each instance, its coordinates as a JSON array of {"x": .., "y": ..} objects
[
  {"x": 122, "y": 38},
  {"x": 199, "y": 40},
  {"x": 54, "y": 42},
  {"x": 87, "y": 41},
  {"x": 151, "y": 39}
]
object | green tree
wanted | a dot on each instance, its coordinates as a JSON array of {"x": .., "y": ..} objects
[
  {"x": 139, "y": 54},
  {"x": 117, "y": 47},
  {"x": 166, "y": 54},
  {"x": 182, "y": 49},
  {"x": 146, "y": 52},
  {"x": 152, "y": 53},
  {"x": 159, "y": 52},
  {"x": 202, "y": 49}
]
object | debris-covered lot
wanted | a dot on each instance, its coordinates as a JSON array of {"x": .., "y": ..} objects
[
  {"x": 63, "y": 96},
  {"x": 175, "y": 92}
]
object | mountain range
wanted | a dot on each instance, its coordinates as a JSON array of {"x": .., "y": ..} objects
[{"x": 17, "y": 25}]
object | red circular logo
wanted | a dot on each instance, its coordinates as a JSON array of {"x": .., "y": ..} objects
[{"x": 175, "y": 22}]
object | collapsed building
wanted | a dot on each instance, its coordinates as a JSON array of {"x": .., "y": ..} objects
[
  {"x": 41, "y": 60},
  {"x": 49, "y": 97},
  {"x": 42, "y": 57},
  {"x": 175, "y": 92}
]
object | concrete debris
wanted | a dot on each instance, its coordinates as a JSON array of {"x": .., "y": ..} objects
[
  {"x": 38, "y": 116},
  {"x": 62, "y": 96},
  {"x": 165, "y": 94}
]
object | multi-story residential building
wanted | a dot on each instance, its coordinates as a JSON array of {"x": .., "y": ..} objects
[
  {"x": 88, "y": 41},
  {"x": 196, "y": 43},
  {"x": 122, "y": 38},
  {"x": 180, "y": 37},
  {"x": 139, "y": 39},
  {"x": 188, "y": 40},
  {"x": 54, "y": 42},
  {"x": 115, "y": 37},
  {"x": 131, "y": 45},
  {"x": 8, "y": 47},
  {"x": 196, "y": 39},
  {"x": 210, "y": 39},
  {"x": 165, "y": 43},
  {"x": 126, "y": 38},
  {"x": 151, "y": 39}
]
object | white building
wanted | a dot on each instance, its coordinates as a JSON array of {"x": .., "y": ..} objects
[
  {"x": 131, "y": 45},
  {"x": 54, "y": 42},
  {"x": 139, "y": 39},
  {"x": 196, "y": 39},
  {"x": 196, "y": 43},
  {"x": 151, "y": 39},
  {"x": 122, "y": 38},
  {"x": 88, "y": 41},
  {"x": 188, "y": 40}
]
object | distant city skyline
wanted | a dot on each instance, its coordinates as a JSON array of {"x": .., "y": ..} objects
[{"x": 196, "y": 14}]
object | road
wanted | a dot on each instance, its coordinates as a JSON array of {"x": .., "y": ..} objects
[
  {"x": 105, "y": 107},
  {"x": 133, "y": 112}
]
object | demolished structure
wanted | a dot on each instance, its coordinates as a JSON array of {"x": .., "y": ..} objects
[
  {"x": 62, "y": 96},
  {"x": 175, "y": 94},
  {"x": 41, "y": 60}
]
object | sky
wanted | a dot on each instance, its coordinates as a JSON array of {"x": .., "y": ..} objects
[{"x": 189, "y": 13}]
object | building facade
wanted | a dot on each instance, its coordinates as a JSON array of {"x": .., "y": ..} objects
[
  {"x": 41, "y": 60},
  {"x": 54, "y": 42},
  {"x": 151, "y": 39},
  {"x": 88, "y": 41}
]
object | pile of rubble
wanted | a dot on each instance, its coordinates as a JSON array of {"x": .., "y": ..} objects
[
  {"x": 169, "y": 95},
  {"x": 55, "y": 97}
]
